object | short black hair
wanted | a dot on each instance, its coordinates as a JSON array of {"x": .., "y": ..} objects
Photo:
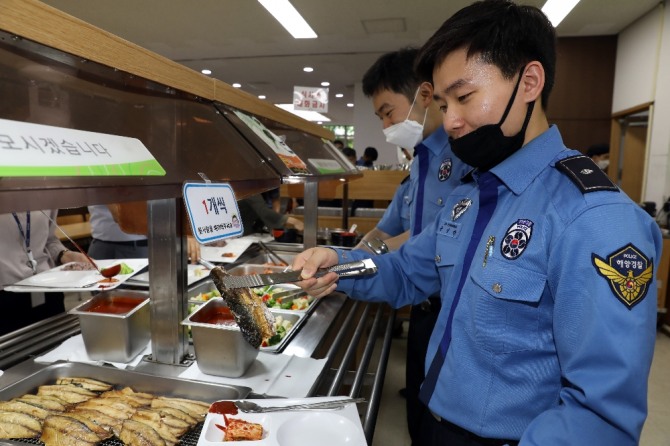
[
  {"x": 371, "y": 153},
  {"x": 598, "y": 149},
  {"x": 502, "y": 33},
  {"x": 394, "y": 71},
  {"x": 348, "y": 151}
]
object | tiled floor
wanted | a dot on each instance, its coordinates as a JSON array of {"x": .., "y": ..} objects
[{"x": 391, "y": 427}]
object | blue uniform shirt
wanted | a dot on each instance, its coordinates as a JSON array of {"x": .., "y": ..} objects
[
  {"x": 554, "y": 327},
  {"x": 396, "y": 218},
  {"x": 444, "y": 174}
]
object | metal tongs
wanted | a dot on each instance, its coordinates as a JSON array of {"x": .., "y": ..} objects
[{"x": 351, "y": 269}]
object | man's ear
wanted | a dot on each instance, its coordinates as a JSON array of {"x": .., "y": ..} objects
[
  {"x": 532, "y": 82},
  {"x": 425, "y": 96}
]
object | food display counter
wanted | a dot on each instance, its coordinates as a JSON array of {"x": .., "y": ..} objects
[{"x": 57, "y": 72}]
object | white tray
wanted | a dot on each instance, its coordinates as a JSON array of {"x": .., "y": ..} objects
[
  {"x": 195, "y": 273},
  {"x": 234, "y": 248},
  {"x": 56, "y": 279},
  {"x": 297, "y": 428}
]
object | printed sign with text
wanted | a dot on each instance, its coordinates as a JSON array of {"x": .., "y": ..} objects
[{"x": 213, "y": 212}]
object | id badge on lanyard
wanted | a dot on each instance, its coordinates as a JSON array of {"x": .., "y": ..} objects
[{"x": 32, "y": 263}]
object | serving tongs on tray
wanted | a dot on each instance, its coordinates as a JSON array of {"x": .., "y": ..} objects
[
  {"x": 251, "y": 407},
  {"x": 351, "y": 269}
]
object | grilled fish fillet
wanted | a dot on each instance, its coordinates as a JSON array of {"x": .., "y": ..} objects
[
  {"x": 195, "y": 409},
  {"x": 134, "y": 433},
  {"x": 60, "y": 430},
  {"x": 254, "y": 318},
  {"x": 18, "y": 425},
  {"x": 66, "y": 392},
  {"x": 85, "y": 383},
  {"x": 109, "y": 406},
  {"x": 128, "y": 395},
  {"x": 100, "y": 418},
  {"x": 154, "y": 420},
  {"x": 21, "y": 407},
  {"x": 178, "y": 414},
  {"x": 47, "y": 403}
]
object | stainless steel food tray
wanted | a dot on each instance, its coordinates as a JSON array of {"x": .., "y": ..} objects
[
  {"x": 296, "y": 319},
  {"x": 30, "y": 377}
]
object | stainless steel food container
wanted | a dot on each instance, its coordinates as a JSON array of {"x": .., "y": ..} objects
[
  {"x": 115, "y": 337},
  {"x": 204, "y": 286},
  {"x": 220, "y": 350}
]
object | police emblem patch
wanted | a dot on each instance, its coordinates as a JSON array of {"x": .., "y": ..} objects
[
  {"x": 628, "y": 272},
  {"x": 445, "y": 170},
  {"x": 516, "y": 239}
]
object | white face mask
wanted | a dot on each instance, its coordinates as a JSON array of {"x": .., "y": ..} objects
[
  {"x": 603, "y": 164},
  {"x": 406, "y": 134}
]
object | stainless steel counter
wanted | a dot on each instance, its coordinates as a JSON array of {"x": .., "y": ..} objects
[{"x": 353, "y": 337}]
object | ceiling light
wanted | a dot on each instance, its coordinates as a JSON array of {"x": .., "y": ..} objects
[
  {"x": 325, "y": 84},
  {"x": 350, "y": 104},
  {"x": 237, "y": 85},
  {"x": 206, "y": 71},
  {"x": 304, "y": 114},
  {"x": 289, "y": 18},
  {"x": 339, "y": 95},
  {"x": 261, "y": 96},
  {"x": 308, "y": 69},
  {"x": 556, "y": 10}
]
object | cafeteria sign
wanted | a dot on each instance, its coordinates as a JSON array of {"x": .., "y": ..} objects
[
  {"x": 310, "y": 98},
  {"x": 212, "y": 210},
  {"x": 30, "y": 150}
]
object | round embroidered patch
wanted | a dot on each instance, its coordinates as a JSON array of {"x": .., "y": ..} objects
[
  {"x": 516, "y": 239},
  {"x": 445, "y": 170}
]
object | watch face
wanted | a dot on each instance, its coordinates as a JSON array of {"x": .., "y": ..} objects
[{"x": 377, "y": 246}]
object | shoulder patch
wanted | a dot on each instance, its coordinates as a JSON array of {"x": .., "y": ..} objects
[
  {"x": 628, "y": 272},
  {"x": 404, "y": 180},
  {"x": 586, "y": 174}
]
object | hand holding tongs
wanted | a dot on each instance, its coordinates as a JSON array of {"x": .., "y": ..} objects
[{"x": 358, "y": 268}]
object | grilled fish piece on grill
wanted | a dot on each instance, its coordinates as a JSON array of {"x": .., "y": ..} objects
[
  {"x": 66, "y": 392},
  {"x": 113, "y": 407},
  {"x": 18, "y": 425},
  {"x": 128, "y": 395},
  {"x": 134, "y": 433},
  {"x": 254, "y": 318},
  {"x": 60, "y": 430},
  {"x": 21, "y": 407},
  {"x": 85, "y": 383},
  {"x": 47, "y": 403},
  {"x": 178, "y": 414},
  {"x": 195, "y": 409},
  {"x": 154, "y": 420},
  {"x": 99, "y": 418}
]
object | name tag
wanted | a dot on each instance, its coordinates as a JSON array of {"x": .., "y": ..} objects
[{"x": 449, "y": 229}]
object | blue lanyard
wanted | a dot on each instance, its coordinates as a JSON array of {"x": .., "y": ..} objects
[
  {"x": 32, "y": 263},
  {"x": 422, "y": 152}
]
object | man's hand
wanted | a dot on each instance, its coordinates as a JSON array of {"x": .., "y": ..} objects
[
  {"x": 73, "y": 256},
  {"x": 193, "y": 248},
  {"x": 312, "y": 260}
]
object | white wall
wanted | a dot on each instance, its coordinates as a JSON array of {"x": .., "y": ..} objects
[
  {"x": 369, "y": 129},
  {"x": 642, "y": 70}
]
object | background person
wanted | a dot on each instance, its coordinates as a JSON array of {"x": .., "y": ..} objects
[
  {"x": 600, "y": 154},
  {"x": 29, "y": 246},
  {"x": 369, "y": 157},
  {"x": 524, "y": 351}
]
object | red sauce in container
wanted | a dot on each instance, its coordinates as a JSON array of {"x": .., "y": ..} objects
[
  {"x": 219, "y": 316},
  {"x": 223, "y": 408},
  {"x": 119, "y": 305}
]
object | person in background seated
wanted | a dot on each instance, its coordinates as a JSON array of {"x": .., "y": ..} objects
[
  {"x": 600, "y": 154},
  {"x": 339, "y": 144},
  {"x": 369, "y": 157},
  {"x": 29, "y": 246},
  {"x": 350, "y": 154},
  {"x": 258, "y": 217}
]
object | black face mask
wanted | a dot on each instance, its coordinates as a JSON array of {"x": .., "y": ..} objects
[{"x": 487, "y": 146}]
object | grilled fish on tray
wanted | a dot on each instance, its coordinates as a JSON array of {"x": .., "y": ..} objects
[
  {"x": 255, "y": 320},
  {"x": 84, "y": 412}
]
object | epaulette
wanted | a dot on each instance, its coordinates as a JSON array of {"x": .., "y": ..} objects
[
  {"x": 404, "y": 180},
  {"x": 586, "y": 174}
]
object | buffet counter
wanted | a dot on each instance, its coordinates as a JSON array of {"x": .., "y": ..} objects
[{"x": 350, "y": 342}]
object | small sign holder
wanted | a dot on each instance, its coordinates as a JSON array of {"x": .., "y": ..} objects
[{"x": 212, "y": 210}]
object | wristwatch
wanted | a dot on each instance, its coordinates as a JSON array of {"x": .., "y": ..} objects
[{"x": 376, "y": 246}]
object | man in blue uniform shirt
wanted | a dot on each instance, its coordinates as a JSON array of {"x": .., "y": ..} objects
[
  {"x": 545, "y": 269},
  {"x": 410, "y": 118}
]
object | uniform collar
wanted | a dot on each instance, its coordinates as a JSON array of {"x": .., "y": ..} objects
[
  {"x": 436, "y": 141},
  {"x": 520, "y": 169}
]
